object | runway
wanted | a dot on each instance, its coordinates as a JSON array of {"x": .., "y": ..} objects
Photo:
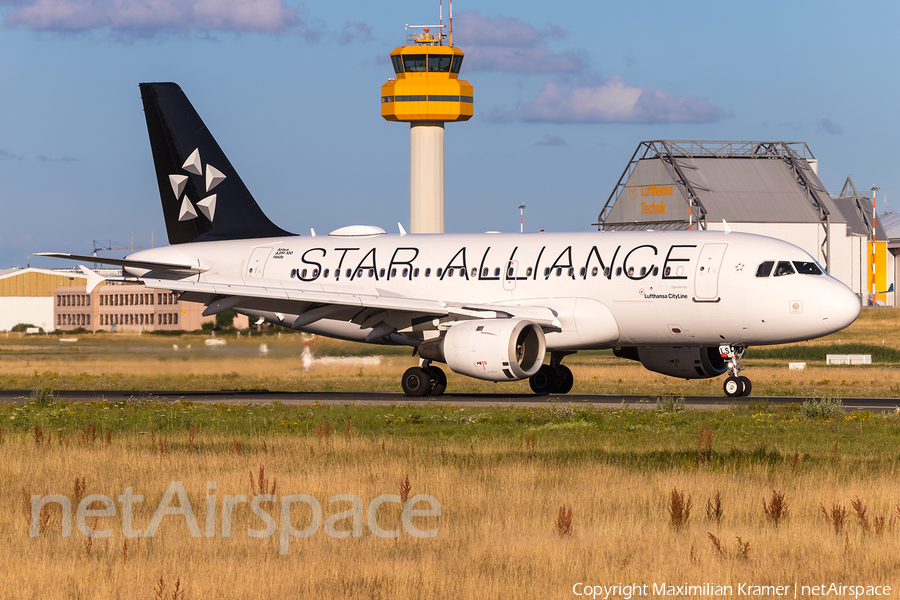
[{"x": 387, "y": 399}]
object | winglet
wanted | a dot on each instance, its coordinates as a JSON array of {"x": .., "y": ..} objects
[
  {"x": 725, "y": 225},
  {"x": 93, "y": 279},
  {"x": 402, "y": 231}
]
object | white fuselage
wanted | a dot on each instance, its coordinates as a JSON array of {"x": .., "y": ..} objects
[{"x": 607, "y": 289}]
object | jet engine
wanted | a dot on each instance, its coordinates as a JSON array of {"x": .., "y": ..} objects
[
  {"x": 490, "y": 349},
  {"x": 692, "y": 362}
]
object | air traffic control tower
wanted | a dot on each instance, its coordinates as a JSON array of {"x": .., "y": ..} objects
[{"x": 427, "y": 93}]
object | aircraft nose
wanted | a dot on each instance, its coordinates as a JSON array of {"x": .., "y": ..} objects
[{"x": 839, "y": 305}]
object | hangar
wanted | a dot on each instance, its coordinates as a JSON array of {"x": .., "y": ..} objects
[{"x": 768, "y": 188}]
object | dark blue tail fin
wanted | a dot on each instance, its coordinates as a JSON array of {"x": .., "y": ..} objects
[{"x": 203, "y": 198}]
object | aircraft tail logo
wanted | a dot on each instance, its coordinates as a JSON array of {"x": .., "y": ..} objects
[{"x": 189, "y": 166}]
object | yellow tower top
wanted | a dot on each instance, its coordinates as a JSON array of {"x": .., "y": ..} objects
[{"x": 427, "y": 86}]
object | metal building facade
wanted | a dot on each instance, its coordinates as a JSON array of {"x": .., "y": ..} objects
[{"x": 765, "y": 187}]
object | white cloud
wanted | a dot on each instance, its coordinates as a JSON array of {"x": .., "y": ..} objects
[
  {"x": 508, "y": 44},
  {"x": 146, "y": 18},
  {"x": 551, "y": 140},
  {"x": 614, "y": 101},
  {"x": 355, "y": 32},
  {"x": 830, "y": 126}
]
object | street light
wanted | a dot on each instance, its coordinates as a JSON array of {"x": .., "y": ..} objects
[{"x": 522, "y": 208}]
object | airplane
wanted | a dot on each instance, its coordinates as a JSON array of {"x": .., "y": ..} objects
[{"x": 685, "y": 304}]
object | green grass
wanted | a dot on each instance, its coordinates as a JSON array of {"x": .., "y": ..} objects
[
  {"x": 759, "y": 434},
  {"x": 880, "y": 354}
]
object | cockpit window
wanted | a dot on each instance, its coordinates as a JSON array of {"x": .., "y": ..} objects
[
  {"x": 807, "y": 268},
  {"x": 765, "y": 269},
  {"x": 784, "y": 268},
  {"x": 414, "y": 63}
]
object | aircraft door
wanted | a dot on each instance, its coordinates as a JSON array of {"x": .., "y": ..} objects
[
  {"x": 257, "y": 262},
  {"x": 509, "y": 277},
  {"x": 706, "y": 278}
]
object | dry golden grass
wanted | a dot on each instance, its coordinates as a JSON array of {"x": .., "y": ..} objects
[
  {"x": 143, "y": 363},
  {"x": 498, "y": 535}
]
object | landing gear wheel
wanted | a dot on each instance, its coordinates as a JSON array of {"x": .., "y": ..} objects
[
  {"x": 438, "y": 381},
  {"x": 747, "y": 385},
  {"x": 416, "y": 382},
  {"x": 564, "y": 379},
  {"x": 734, "y": 387},
  {"x": 544, "y": 381}
]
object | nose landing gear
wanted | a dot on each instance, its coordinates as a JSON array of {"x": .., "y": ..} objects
[{"x": 735, "y": 385}]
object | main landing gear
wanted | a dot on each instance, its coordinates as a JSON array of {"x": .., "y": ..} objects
[
  {"x": 555, "y": 378},
  {"x": 424, "y": 381},
  {"x": 735, "y": 385}
]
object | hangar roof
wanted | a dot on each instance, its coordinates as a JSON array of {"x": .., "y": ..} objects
[{"x": 677, "y": 184}]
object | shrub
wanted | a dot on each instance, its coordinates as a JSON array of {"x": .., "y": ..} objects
[{"x": 822, "y": 408}]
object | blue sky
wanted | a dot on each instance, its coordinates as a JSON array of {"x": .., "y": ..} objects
[{"x": 564, "y": 92}]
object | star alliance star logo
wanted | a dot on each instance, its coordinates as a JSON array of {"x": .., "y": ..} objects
[
  {"x": 739, "y": 267},
  {"x": 214, "y": 177}
]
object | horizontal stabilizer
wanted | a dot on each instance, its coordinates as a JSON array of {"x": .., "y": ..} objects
[{"x": 124, "y": 262}]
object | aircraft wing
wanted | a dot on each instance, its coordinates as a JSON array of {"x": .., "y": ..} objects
[{"x": 369, "y": 306}]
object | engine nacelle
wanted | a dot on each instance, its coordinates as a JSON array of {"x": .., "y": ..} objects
[
  {"x": 490, "y": 349},
  {"x": 686, "y": 362}
]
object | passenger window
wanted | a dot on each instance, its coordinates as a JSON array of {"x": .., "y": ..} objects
[
  {"x": 416, "y": 272},
  {"x": 765, "y": 269},
  {"x": 618, "y": 271},
  {"x": 439, "y": 271},
  {"x": 405, "y": 271},
  {"x": 497, "y": 272},
  {"x": 484, "y": 272},
  {"x": 371, "y": 272},
  {"x": 325, "y": 274},
  {"x": 655, "y": 271},
  {"x": 643, "y": 271},
  {"x": 528, "y": 272},
  {"x": 558, "y": 271},
  {"x": 303, "y": 274},
  {"x": 428, "y": 272},
  {"x": 474, "y": 271},
  {"x": 509, "y": 272},
  {"x": 393, "y": 272},
  {"x": 381, "y": 272},
  {"x": 807, "y": 268},
  {"x": 594, "y": 272},
  {"x": 547, "y": 272},
  {"x": 449, "y": 272},
  {"x": 784, "y": 268}
]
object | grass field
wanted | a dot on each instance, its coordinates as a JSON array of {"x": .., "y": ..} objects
[
  {"x": 149, "y": 362},
  {"x": 532, "y": 500},
  {"x": 501, "y": 476}
]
